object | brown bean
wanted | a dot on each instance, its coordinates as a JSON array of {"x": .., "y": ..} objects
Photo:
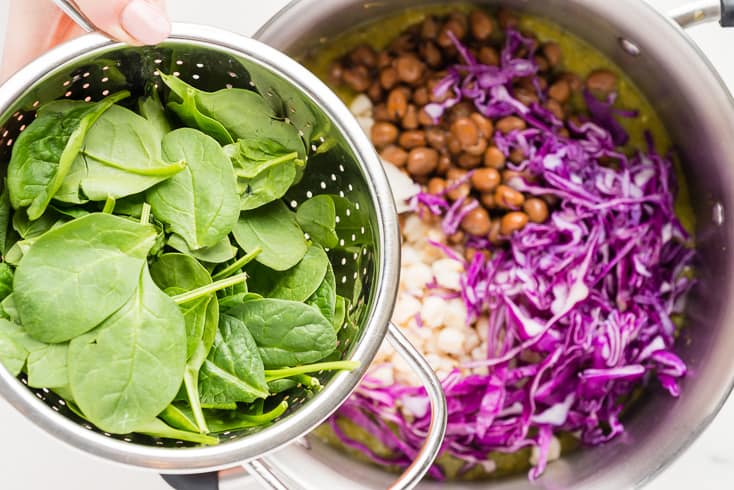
[
  {"x": 552, "y": 53},
  {"x": 494, "y": 158},
  {"x": 527, "y": 97},
  {"x": 601, "y": 82},
  {"x": 410, "y": 120},
  {"x": 404, "y": 43},
  {"x": 536, "y": 209},
  {"x": 422, "y": 161},
  {"x": 383, "y": 59},
  {"x": 357, "y": 78},
  {"x": 573, "y": 80},
  {"x": 412, "y": 139},
  {"x": 560, "y": 91},
  {"x": 486, "y": 179},
  {"x": 431, "y": 54},
  {"x": 476, "y": 222},
  {"x": 457, "y": 28},
  {"x": 510, "y": 123},
  {"x": 467, "y": 160},
  {"x": 375, "y": 92},
  {"x": 438, "y": 98},
  {"x": 487, "y": 199},
  {"x": 488, "y": 56},
  {"x": 336, "y": 71},
  {"x": 486, "y": 128},
  {"x": 551, "y": 199},
  {"x": 425, "y": 119},
  {"x": 478, "y": 149},
  {"x": 397, "y": 102},
  {"x": 517, "y": 155},
  {"x": 508, "y": 198},
  {"x": 436, "y": 138},
  {"x": 395, "y": 155},
  {"x": 364, "y": 55},
  {"x": 481, "y": 25},
  {"x": 380, "y": 113},
  {"x": 436, "y": 186},
  {"x": 420, "y": 96},
  {"x": 471, "y": 252},
  {"x": 466, "y": 131},
  {"x": 506, "y": 19},
  {"x": 383, "y": 134},
  {"x": 512, "y": 222},
  {"x": 453, "y": 144},
  {"x": 509, "y": 176},
  {"x": 564, "y": 133},
  {"x": 444, "y": 164},
  {"x": 556, "y": 108},
  {"x": 388, "y": 77},
  {"x": 410, "y": 69},
  {"x": 495, "y": 234},
  {"x": 429, "y": 28},
  {"x": 460, "y": 110},
  {"x": 457, "y": 238},
  {"x": 453, "y": 176},
  {"x": 541, "y": 63}
]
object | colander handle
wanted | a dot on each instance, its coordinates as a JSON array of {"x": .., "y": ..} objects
[
  {"x": 70, "y": 9},
  {"x": 432, "y": 445}
]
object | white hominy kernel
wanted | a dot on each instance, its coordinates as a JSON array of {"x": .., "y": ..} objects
[
  {"x": 430, "y": 254},
  {"x": 448, "y": 273},
  {"x": 554, "y": 452},
  {"x": 415, "y": 277},
  {"x": 436, "y": 236},
  {"x": 455, "y": 316},
  {"x": 451, "y": 341},
  {"x": 403, "y": 374},
  {"x": 361, "y": 106},
  {"x": 409, "y": 256},
  {"x": 407, "y": 307},
  {"x": 415, "y": 230},
  {"x": 479, "y": 354},
  {"x": 471, "y": 340},
  {"x": 433, "y": 311},
  {"x": 482, "y": 328},
  {"x": 366, "y": 124},
  {"x": 383, "y": 374}
]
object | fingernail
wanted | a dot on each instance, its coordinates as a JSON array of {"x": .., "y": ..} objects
[{"x": 145, "y": 22}]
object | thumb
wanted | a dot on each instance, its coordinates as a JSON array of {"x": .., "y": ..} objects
[{"x": 131, "y": 21}]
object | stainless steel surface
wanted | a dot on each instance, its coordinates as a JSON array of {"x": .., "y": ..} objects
[
  {"x": 366, "y": 262},
  {"x": 70, "y": 9},
  {"x": 697, "y": 12},
  {"x": 264, "y": 475},
  {"x": 699, "y": 114},
  {"x": 437, "y": 430}
]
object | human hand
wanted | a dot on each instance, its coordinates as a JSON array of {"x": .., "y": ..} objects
[{"x": 34, "y": 26}]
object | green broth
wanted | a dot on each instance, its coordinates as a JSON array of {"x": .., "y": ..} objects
[{"x": 579, "y": 57}]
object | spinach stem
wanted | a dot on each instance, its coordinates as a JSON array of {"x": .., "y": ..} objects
[
  {"x": 109, "y": 205},
  {"x": 273, "y": 374},
  {"x": 209, "y": 289},
  {"x": 307, "y": 381},
  {"x": 191, "y": 382},
  {"x": 145, "y": 214},
  {"x": 238, "y": 264}
]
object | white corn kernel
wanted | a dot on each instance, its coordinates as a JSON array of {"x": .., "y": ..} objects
[
  {"x": 415, "y": 230},
  {"x": 405, "y": 309},
  {"x": 448, "y": 273},
  {"x": 415, "y": 278},
  {"x": 451, "y": 341},
  {"x": 361, "y": 106},
  {"x": 455, "y": 316},
  {"x": 366, "y": 124},
  {"x": 471, "y": 340},
  {"x": 433, "y": 311},
  {"x": 409, "y": 255}
]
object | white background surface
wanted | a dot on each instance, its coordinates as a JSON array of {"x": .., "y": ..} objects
[{"x": 31, "y": 460}]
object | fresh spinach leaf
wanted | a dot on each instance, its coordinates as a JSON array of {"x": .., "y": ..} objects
[
  {"x": 157, "y": 428},
  {"x": 281, "y": 385},
  {"x": 9, "y": 310},
  {"x": 43, "y": 154},
  {"x": 179, "y": 418},
  {"x": 6, "y": 280},
  {"x": 302, "y": 280},
  {"x": 200, "y": 204},
  {"x": 274, "y": 229},
  {"x": 152, "y": 109},
  {"x": 5, "y": 210},
  {"x": 317, "y": 217},
  {"x": 47, "y": 366},
  {"x": 129, "y": 369},
  {"x": 13, "y": 352},
  {"x": 223, "y": 421},
  {"x": 190, "y": 114},
  {"x": 221, "y": 252},
  {"x": 324, "y": 298},
  {"x": 33, "y": 229},
  {"x": 340, "y": 313},
  {"x": 89, "y": 266},
  {"x": 233, "y": 371},
  {"x": 287, "y": 333},
  {"x": 267, "y": 186}
]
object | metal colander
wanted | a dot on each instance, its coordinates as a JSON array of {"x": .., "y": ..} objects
[{"x": 343, "y": 163}]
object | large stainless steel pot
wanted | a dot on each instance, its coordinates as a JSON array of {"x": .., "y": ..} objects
[{"x": 699, "y": 114}]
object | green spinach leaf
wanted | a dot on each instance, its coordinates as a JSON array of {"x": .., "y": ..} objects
[
  {"x": 317, "y": 217},
  {"x": 129, "y": 369},
  {"x": 152, "y": 109},
  {"x": 158, "y": 428},
  {"x": 324, "y": 298},
  {"x": 47, "y": 366},
  {"x": 201, "y": 203},
  {"x": 223, "y": 421},
  {"x": 221, "y": 252},
  {"x": 89, "y": 266},
  {"x": 287, "y": 333},
  {"x": 340, "y": 313},
  {"x": 43, "y": 154},
  {"x": 233, "y": 371},
  {"x": 13, "y": 352},
  {"x": 6, "y": 280},
  {"x": 274, "y": 229},
  {"x": 5, "y": 210},
  {"x": 302, "y": 280}
]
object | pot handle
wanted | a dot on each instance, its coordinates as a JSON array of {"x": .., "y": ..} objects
[
  {"x": 70, "y": 9},
  {"x": 704, "y": 11}
]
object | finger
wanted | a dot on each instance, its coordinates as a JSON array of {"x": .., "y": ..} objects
[{"x": 131, "y": 21}]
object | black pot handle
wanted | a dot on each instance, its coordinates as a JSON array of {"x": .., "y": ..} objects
[
  {"x": 727, "y": 13},
  {"x": 199, "y": 481}
]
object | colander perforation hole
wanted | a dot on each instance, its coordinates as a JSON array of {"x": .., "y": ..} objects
[{"x": 294, "y": 203}]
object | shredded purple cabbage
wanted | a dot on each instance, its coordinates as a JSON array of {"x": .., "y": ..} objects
[{"x": 588, "y": 295}]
